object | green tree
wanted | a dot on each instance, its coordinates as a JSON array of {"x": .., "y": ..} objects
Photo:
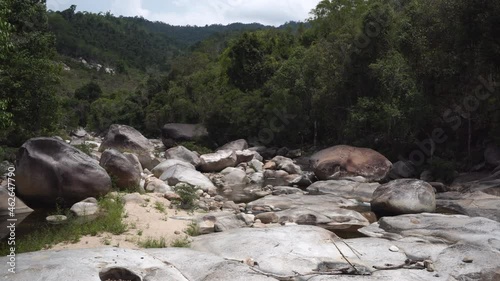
[
  {"x": 247, "y": 68},
  {"x": 28, "y": 75}
]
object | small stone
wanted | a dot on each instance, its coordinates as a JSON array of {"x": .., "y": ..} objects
[
  {"x": 177, "y": 232},
  {"x": 57, "y": 219},
  {"x": 267, "y": 218},
  {"x": 394, "y": 249},
  {"x": 270, "y": 165},
  {"x": 172, "y": 196},
  {"x": 206, "y": 227},
  {"x": 429, "y": 265},
  {"x": 468, "y": 260}
]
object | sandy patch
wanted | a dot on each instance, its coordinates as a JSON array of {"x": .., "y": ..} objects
[{"x": 144, "y": 221}]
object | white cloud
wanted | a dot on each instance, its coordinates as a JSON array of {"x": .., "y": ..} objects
[
  {"x": 195, "y": 12},
  {"x": 129, "y": 8},
  {"x": 198, "y": 12}
]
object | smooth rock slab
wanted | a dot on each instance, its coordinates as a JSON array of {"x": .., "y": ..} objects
[
  {"x": 345, "y": 188},
  {"x": 438, "y": 228},
  {"x": 85, "y": 265},
  {"x": 325, "y": 216},
  {"x": 279, "y": 250},
  {"x": 198, "y": 266},
  {"x": 288, "y": 201},
  {"x": 477, "y": 204}
]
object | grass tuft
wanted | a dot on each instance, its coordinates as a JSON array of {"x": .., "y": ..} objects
[
  {"x": 152, "y": 243},
  {"x": 193, "y": 229}
]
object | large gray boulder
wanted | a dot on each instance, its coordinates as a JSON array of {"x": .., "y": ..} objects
[
  {"x": 346, "y": 161},
  {"x": 234, "y": 176},
  {"x": 287, "y": 165},
  {"x": 180, "y": 174},
  {"x": 404, "y": 196},
  {"x": 218, "y": 161},
  {"x": 49, "y": 171},
  {"x": 127, "y": 139},
  {"x": 175, "y": 132},
  {"x": 121, "y": 169},
  {"x": 235, "y": 145},
  {"x": 184, "y": 154},
  {"x": 165, "y": 165}
]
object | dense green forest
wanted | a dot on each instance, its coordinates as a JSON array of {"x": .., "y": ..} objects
[
  {"x": 128, "y": 42},
  {"x": 391, "y": 75}
]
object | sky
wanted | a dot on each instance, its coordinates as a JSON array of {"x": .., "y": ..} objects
[{"x": 198, "y": 12}]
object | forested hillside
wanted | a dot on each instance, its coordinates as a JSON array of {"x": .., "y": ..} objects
[
  {"x": 125, "y": 41},
  {"x": 390, "y": 75}
]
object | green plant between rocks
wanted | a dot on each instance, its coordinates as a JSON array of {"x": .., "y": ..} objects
[
  {"x": 187, "y": 194},
  {"x": 108, "y": 221},
  {"x": 193, "y": 229},
  {"x": 193, "y": 146},
  {"x": 181, "y": 243},
  {"x": 160, "y": 207},
  {"x": 151, "y": 243},
  {"x": 85, "y": 148}
]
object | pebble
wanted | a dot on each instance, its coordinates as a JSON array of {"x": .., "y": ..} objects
[
  {"x": 57, "y": 219},
  {"x": 394, "y": 249},
  {"x": 467, "y": 260}
]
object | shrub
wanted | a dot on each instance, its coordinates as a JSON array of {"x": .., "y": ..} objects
[
  {"x": 187, "y": 194},
  {"x": 153, "y": 243},
  {"x": 181, "y": 243}
]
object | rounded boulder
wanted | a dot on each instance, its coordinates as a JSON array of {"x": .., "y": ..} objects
[{"x": 49, "y": 171}]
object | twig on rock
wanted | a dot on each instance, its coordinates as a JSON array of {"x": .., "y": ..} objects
[
  {"x": 409, "y": 264},
  {"x": 345, "y": 258}
]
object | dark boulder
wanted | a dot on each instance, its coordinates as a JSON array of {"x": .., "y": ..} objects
[{"x": 49, "y": 171}]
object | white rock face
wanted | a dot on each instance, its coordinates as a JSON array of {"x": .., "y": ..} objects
[
  {"x": 165, "y": 165},
  {"x": 183, "y": 154},
  {"x": 180, "y": 174},
  {"x": 218, "y": 161}
]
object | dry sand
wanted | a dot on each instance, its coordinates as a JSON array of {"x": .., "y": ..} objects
[{"x": 144, "y": 221}]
